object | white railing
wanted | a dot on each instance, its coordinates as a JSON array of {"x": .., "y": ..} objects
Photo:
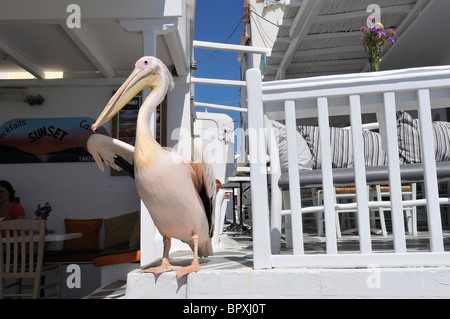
[{"x": 382, "y": 93}]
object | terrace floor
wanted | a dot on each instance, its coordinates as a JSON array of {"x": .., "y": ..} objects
[{"x": 235, "y": 256}]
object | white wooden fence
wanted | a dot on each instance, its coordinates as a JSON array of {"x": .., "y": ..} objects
[{"x": 382, "y": 93}]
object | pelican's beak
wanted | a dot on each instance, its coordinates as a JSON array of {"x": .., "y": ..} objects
[{"x": 136, "y": 82}]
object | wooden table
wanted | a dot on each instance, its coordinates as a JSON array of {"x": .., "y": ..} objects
[
  {"x": 54, "y": 237},
  {"x": 229, "y": 182}
]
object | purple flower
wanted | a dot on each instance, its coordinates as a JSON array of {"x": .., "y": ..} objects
[
  {"x": 43, "y": 211},
  {"x": 375, "y": 39}
]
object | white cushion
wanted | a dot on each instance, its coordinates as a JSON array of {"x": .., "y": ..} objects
[{"x": 303, "y": 153}]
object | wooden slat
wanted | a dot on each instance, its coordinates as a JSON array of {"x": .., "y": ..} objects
[
  {"x": 8, "y": 251},
  {"x": 276, "y": 197},
  {"x": 258, "y": 171},
  {"x": 294, "y": 181},
  {"x": 398, "y": 226},
  {"x": 15, "y": 251},
  {"x": 327, "y": 177},
  {"x": 23, "y": 253},
  {"x": 31, "y": 243},
  {"x": 429, "y": 166},
  {"x": 360, "y": 175}
]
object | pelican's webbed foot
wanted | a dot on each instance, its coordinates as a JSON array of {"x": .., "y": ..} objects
[{"x": 164, "y": 267}]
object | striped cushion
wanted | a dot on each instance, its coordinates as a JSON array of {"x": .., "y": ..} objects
[
  {"x": 373, "y": 151},
  {"x": 408, "y": 132},
  {"x": 442, "y": 140},
  {"x": 342, "y": 147}
]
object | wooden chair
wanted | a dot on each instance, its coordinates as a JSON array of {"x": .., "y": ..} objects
[{"x": 22, "y": 259}]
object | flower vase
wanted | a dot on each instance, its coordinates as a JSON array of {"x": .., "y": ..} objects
[{"x": 374, "y": 67}]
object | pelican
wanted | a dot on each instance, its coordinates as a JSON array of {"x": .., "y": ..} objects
[{"x": 178, "y": 193}]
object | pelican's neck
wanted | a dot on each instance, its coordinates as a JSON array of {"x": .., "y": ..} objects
[
  {"x": 146, "y": 147},
  {"x": 150, "y": 104}
]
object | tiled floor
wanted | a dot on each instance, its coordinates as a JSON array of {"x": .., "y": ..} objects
[
  {"x": 115, "y": 290},
  {"x": 234, "y": 252}
]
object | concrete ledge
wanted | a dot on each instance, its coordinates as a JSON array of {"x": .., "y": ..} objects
[
  {"x": 149, "y": 286},
  {"x": 424, "y": 282}
]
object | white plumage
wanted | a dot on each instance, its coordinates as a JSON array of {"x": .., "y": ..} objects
[{"x": 178, "y": 193}]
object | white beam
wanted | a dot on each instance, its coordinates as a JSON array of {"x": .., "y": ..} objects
[
  {"x": 298, "y": 31},
  {"x": 21, "y": 60},
  {"x": 220, "y": 107},
  {"x": 293, "y": 3},
  {"x": 363, "y": 13},
  {"x": 315, "y": 52},
  {"x": 23, "y": 10},
  {"x": 177, "y": 51},
  {"x": 285, "y": 23},
  {"x": 84, "y": 42},
  {"x": 168, "y": 28},
  {"x": 231, "y": 47},
  {"x": 218, "y": 82},
  {"x": 91, "y": 82},
  {"x": 333, "y": 35},
  {"x": 138, "y": 25},
  {"x": 290, "y": 76},
  {"x": 321, "y": 63}
]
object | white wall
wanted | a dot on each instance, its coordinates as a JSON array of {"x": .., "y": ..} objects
[
  {"x": 75, "y": 190},
  {"x": 263, "y": 33},
  {"x": 217, "y": 131}
]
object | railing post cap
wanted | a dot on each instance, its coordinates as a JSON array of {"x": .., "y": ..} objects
[{"x": 253, "y": 72}]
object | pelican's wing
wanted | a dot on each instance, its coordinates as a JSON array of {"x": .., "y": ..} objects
[
  {"x": 115, "y": 153},
  {"x": 205, "y": 181},
  {"x": 204, "y": 157}
]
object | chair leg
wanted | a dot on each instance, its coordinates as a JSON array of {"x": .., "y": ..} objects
[
  {"x": 411, "y": 212},
  {"x": 382, "y": 222},
  {"x": 317, "y": 200},
  {"x": 59, "y": 282},
  {"x": 18, "y": 286},
  {"x": 338, "y": 223},
  {"x": 414, "y": 209},
  {"x": 319, "y": 222},
  {"x": 381, "y": 212},
  {"x": 37, "y": 286},
  {"x": 338, "y": 226}
]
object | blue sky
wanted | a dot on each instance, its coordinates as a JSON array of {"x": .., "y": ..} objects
[{"x": 215, "y": 21}]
